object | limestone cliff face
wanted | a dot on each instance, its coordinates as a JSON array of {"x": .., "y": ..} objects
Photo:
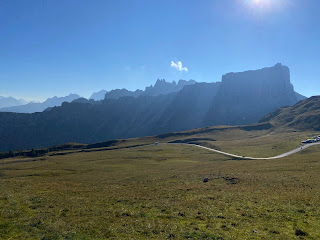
[
  {"x": 267, "y": 82},
  {"x": 245, "y": 97}
]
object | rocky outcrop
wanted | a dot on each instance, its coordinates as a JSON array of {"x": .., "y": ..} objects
[
  {"x": 245, "y": 97},
  {"x": 161, "y": 87}
]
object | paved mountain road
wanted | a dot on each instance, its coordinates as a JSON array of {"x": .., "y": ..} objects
[{"x": 305, "y": 146}]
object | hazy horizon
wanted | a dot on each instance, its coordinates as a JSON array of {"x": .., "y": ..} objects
[
  {"x": 30, "y": 99},
  {"x": 57, "y": 48}
]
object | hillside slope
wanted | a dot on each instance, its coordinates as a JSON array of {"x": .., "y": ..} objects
[
  {"x": 132, "y": 189},
  {"x": 305, "y": 115}
]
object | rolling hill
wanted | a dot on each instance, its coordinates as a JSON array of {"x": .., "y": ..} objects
[{"x": 305, "y": 115}]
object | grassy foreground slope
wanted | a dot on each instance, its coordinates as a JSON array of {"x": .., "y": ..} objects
[
  {"x": 157, "y": 191},
  {"x": 260, "y": 140}
]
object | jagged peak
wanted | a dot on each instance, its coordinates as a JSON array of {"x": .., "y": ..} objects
[
  {"x": 162, "y": 82},
  {"x": 278, "y": 65}
]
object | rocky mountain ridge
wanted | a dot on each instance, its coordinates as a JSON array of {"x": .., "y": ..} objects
[
  {"x": 240, "y": 98},
  {"x": 161, "y": 87},
  {"x": 246, "y": 96}
]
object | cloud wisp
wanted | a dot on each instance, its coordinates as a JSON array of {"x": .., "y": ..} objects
[{"x": 178, "y": 65}]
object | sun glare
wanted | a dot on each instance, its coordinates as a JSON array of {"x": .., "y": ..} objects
[
  {"x": 262, "y": 7},
  {"x": 260, "y": 3}
]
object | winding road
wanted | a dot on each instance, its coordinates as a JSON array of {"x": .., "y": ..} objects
[{"x": 305, "y": 146}]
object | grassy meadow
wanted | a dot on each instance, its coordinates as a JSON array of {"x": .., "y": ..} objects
[{"x": 157, "y": 192}]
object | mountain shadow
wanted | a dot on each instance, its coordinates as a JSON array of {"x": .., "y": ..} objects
[{"x": 241, "y": 98}]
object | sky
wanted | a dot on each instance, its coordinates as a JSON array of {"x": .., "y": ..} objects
[{"x": 57, "y": 47}]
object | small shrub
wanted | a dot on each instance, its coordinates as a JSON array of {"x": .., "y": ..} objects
[{"x": 299, "y": 232}]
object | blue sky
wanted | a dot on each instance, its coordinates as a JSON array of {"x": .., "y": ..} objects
[{"x": 59, "y": 47}]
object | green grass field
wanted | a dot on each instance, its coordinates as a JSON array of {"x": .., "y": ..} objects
[{"x": 158, "y": 191}]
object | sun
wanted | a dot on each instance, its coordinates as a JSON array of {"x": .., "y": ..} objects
[
  {"x": 264, "y": 7},
  {"x": 260, "y": 3}
]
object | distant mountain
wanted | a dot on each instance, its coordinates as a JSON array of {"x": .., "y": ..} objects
[
  {"x": 119, "y": 93},
  {"x": 10, "y": 102},
  {"x": 305, "y": 115},
  {"x": 97, "y": 96},
  {"x": 161, "y": 87},
  {"x": 247, "y": 96},
  {"x": 39, "y": 107},
  {"x": 189, "y": 108},
  {"x": 241, "y": 98}
]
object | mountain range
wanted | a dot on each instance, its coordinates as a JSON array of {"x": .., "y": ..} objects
[
  {"x": 39, "y": 107},
  {"x": 240, "y": 98},
  {"x": 10, "y": 102},
  {"x": 97, "y": 96},
  {"x": 161, "y": 87}
]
